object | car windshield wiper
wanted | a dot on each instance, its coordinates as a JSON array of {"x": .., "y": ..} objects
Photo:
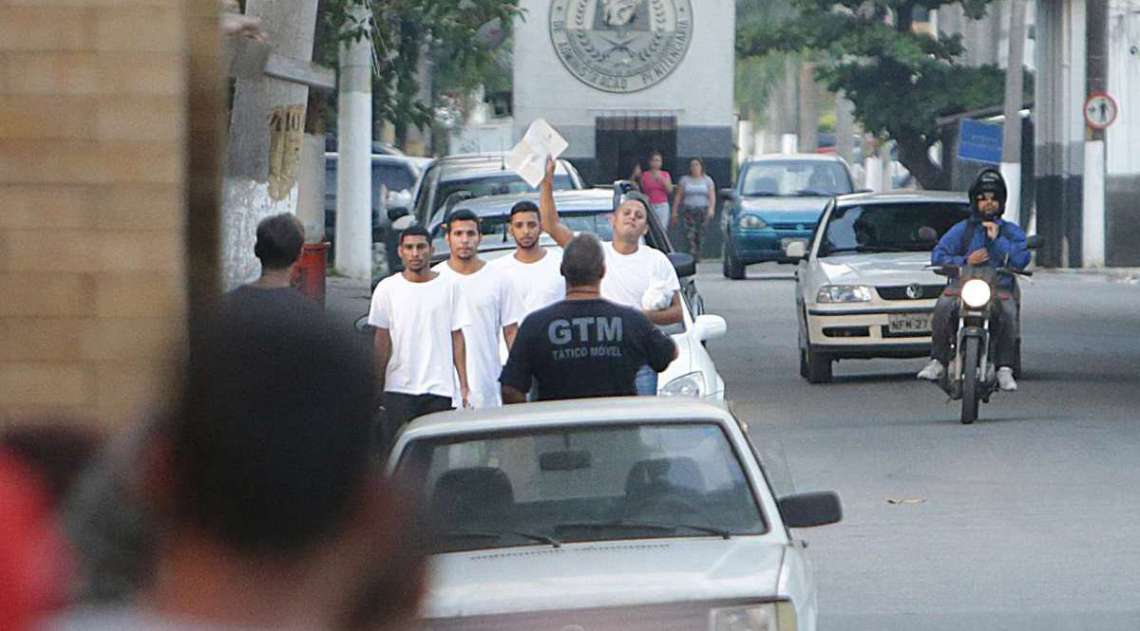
[
  {"x": 488, "y": 534},
  {"x": 762, "y": 194},
  {"x": 644, "y": 525},
  {"x": 807, "y": 193},
  {"x": 866, "y": 248}
]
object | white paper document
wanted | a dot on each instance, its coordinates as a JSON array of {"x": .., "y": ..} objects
[{"x": 528, "y": 158}]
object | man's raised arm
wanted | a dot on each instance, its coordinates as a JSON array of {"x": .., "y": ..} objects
[{"x": 548, "y": 213}]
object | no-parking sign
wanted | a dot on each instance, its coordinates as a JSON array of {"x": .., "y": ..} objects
[{"x": 1100, "y": 110}]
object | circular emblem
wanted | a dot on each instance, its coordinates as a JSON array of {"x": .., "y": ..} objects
[
  {"x": 914, "y": 291},
  {"x": 621, "y": 45}
]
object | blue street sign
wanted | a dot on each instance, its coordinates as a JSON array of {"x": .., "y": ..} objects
[{"x": 979, "y": 142}]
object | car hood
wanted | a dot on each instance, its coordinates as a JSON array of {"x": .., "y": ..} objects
[
  {"x": 884, "y": 268},
  {"x": 797, "y": 209},
  {"x": 601, "y": 574}
]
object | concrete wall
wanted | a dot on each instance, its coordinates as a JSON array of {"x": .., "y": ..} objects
[
  {"x": 92, "y": 224},
  {"x": 699, "y": 91},
  {"x": 1122, "y": 139}
]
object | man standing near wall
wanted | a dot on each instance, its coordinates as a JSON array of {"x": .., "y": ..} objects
[
  {"x": 491, "y": 303},
  {"x": 419, "y": 320},
  {"x": 280, "y": 239}
]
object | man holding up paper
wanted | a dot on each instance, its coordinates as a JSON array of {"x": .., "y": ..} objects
[{"x": 635, "y": 276}]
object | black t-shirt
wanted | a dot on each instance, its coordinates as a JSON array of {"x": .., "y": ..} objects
[
  {"x": 585, "y": 348},
  {"x": 252, "y": 301}
]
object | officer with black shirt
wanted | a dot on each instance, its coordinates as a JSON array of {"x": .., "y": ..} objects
[{"x": 583, "y": 346}]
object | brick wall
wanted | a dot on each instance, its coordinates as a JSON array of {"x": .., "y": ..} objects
[{"x": 92, "y": 203}]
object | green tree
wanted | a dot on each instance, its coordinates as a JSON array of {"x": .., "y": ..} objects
[
  {"x": 398, "y": 30},
  {"x": 899, "y": 80}
]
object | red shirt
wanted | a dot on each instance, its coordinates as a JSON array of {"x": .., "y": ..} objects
[{"x": 654, "y": 190}]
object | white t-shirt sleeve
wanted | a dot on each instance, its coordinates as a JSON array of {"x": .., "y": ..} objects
[
  {"x": 460, "y": 314},
  {"x": 378, "y": 313},
  {"x": 664, "y": 274},
  {"x": 511, "y": 302}
]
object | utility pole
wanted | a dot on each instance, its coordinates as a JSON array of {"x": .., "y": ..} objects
[
  {"x": 1092, "y": 186},
  {"x": 1011, "y": 130},
  {"x": 354, "y": 162},
  {"x": 265, "y": 133},
  {"x": 809, "y": 109},
  {"x": 844, "y": 128}
]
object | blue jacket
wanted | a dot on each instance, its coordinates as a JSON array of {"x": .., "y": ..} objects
[{"x": 1007, "y": 250}]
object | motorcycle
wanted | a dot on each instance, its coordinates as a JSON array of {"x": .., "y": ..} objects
[{"x": 971, "y": 374}]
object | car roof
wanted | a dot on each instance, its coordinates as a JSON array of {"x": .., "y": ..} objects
[
  {"x": 597, "y": 411},
  {"x": 463, "y": 166},
  {"x": 795, "y": 157},
  {"x": 903, "y": 197},
  {"x": 585, "y": 200},
  {"x": 416, "y": 163}
]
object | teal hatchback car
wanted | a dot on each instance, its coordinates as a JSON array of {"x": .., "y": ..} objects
[{"x": 777, "y": 199}]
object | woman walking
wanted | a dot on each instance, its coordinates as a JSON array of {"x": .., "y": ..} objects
[
  {"x": 695, "y": 202},
  {"x": 657, "y": 185}
]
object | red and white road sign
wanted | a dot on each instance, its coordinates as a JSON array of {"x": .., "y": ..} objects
[{"x": 1100, "y": 110}]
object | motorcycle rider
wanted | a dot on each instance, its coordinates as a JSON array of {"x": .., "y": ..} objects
[{"x": 982, "y": 239}]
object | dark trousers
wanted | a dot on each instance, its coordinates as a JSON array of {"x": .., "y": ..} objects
[
  {"x": 1003, "y": 329},
  {"x": 400, "y": 409}
]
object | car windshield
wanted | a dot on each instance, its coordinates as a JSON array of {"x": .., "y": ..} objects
[
  {"x": 913, "y": 227},
  {"x": 506, "y": 183},
  {"x": 795, "y": 178},
  {"x": 584, "y": 483}
]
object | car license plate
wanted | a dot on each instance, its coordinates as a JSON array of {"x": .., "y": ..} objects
[
  {"x": 785, "y": 242},
  {"x": 914, "y": 323}
]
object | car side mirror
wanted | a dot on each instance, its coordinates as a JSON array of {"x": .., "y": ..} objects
[
  {"x": 684, "y": 263},
  {"x": 796, "y": 250},
  {"x": 807, "y": 510},
  {"x": 1033, "y": 242},
  {"x": 729, "y": 194},
  {"x": 709, "y": 327},
  {"x": 397, "y": 212}
]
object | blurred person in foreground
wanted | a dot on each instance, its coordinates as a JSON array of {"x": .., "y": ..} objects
[
  {"x": 38, "y": 464},
  {"x": 271, "y": 512}
]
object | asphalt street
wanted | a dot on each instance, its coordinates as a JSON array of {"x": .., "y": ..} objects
[{"x": 1028, "y": 519}]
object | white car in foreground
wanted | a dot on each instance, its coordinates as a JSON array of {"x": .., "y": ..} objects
[
  {"x": 597, "y": 514},
  {"x": 863, "y": 289}
]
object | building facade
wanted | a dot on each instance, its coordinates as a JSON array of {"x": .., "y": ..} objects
[
  {"x": 622, "y": 78},
  {"x": 1087, "y": 223}
]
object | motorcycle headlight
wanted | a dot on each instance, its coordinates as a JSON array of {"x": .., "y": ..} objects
[
  {"x": 753, "y": 222},
  {"x": 976, "y": 293},
  {"x": 690, "y": 385},
  {"x": 778, "y": 616},
  {"x": 843, "y": 293}
]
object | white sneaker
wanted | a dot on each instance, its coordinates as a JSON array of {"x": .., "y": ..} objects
[
  {"x": 933, "y": 371},
  {"x": 1006, "y": 382}
]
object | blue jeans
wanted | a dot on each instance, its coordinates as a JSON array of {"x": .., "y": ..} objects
[{"x": 646, "y": 382}]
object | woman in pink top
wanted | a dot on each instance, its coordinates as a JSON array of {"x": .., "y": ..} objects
[{"x": 657, "y": 185}]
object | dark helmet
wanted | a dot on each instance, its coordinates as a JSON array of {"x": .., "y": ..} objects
[{"x": 989, "y": 181}]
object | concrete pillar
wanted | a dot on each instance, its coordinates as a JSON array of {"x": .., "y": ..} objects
[
  {"x": 354, "y": 168},
  {"x": 1093, "y": 206},
  {"x": 844, "y": 128},
  {"x": 311, "y": 188}
]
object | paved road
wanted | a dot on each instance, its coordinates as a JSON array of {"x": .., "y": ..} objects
[{"x": 1029, "y": 519}]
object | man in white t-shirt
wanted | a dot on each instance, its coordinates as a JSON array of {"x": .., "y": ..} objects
[
  {"x": 419, "y": 320},
  {"x": 534, "y": 271},
  {"x": 491, "y": 303},
  {"x": 636, "y": 276}
]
